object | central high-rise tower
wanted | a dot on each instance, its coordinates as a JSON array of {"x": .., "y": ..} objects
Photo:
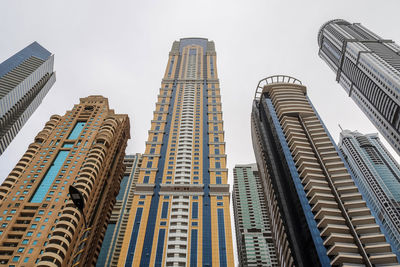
[{"x": 180, "y": 214}]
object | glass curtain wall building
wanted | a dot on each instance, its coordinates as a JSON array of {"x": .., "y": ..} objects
[
  {"x": 25, "y": 79},
  {"x": 318, "y": 216},
  {"x": 180, "y": 214},
  {"x": 377, "y": 175},
  {"x": 112, "y": 243},
  {"x": 253, "y": 233},
  {"x": 368, "y": 68},
  {"x": 40, "y": 225}
]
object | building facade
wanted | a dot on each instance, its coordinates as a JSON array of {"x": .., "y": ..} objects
[
  {"x": 368, "y": 68},
  {"x": 377, "y": 175},
  {"x": 40, "y": 225},
  {"x": 253, "y": 232},
  {"x": 181, "y": 205},
  {"x": 318, "y": 216},
  {"x": 25, "y": 79},
  {"x": 112, "y": 243}
]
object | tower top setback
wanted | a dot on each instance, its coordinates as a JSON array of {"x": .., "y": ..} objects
[{"x": 326, "y": 24}]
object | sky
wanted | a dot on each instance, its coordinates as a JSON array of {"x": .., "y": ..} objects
[{"x": 119, "y": 49}]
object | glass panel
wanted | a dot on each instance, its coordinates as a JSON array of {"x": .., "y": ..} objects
[
  {"x": 48, "y": 179},
  {"x": 77, "y": 130}
]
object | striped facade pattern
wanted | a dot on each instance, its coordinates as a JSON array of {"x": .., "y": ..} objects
[
  {"x": 113, "y": 239},
  {"x": 42, "y": 227},
  {"x": 253, "y": 232},
  {"x": 325, "y": 219},
  {"x": 368, "y": 68},
  {"x": 378, "y": 177},
  {"x": 25, "y": 79},
  {"x": 181, "y": 204}
]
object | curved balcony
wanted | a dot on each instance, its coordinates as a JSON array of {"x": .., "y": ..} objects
[
  {"x": 56, "y": 248},
  {"x": 50, "y": 259}
]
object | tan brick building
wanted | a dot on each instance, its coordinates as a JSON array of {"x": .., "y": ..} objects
[{"x": 39, "y": 224}]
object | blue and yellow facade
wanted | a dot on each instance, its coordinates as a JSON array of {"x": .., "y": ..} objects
[{"x": 180, "y": 213}]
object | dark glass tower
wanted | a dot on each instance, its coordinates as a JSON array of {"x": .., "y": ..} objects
[
  {"x": 25, "y": 79},
  {"x": 368, "y": 68},
  {"x": 318, "y": 216}
]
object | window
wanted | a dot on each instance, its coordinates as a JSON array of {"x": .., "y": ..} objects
[
  {"x": 164, "y": 212},
  {"x": 195, "y": 210}
]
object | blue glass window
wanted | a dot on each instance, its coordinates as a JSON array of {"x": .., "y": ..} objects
[
  {"x": 48, "y": 179},
  {"x": 149, "y": 164},
  {"x": 101, "y": 260},
  {"x": 77, "y": 130},
  {"x": 134, "y": 235},
  {"x": 146, "y": 179},
  {"x": 218, "y": 179},
  {"x": 221, "y": 238},
  {"x": 124, "y": 182},
  {"x": 218, "y": 165},
  {"x": 163, "y": 223},
  {"x": 160, "y": 248},
  {"x": 195, "y": 210},
  {"x": 164, "y": 212},
  {"x": 193, "y": 248},
  {"x": 68, "y": 145}
]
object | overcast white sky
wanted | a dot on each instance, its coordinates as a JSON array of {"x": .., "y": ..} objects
[{"x": 119, "y": 49}]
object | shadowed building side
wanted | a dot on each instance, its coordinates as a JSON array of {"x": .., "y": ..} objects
[{"x": 113, "y": 238}]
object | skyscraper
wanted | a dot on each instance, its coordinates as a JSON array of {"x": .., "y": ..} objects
[
  {"x": 25, "y": 79},
  {"x": 40, "y": 225},
  {"x": 181, "y": 204},
  {"x": 368, "y": 68},
  {"x": 112, "y": 244},
  {"x": 253, "y": 232},
  {"x": 317, "y": 213},
  {"x": 378, "y": 177}
]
